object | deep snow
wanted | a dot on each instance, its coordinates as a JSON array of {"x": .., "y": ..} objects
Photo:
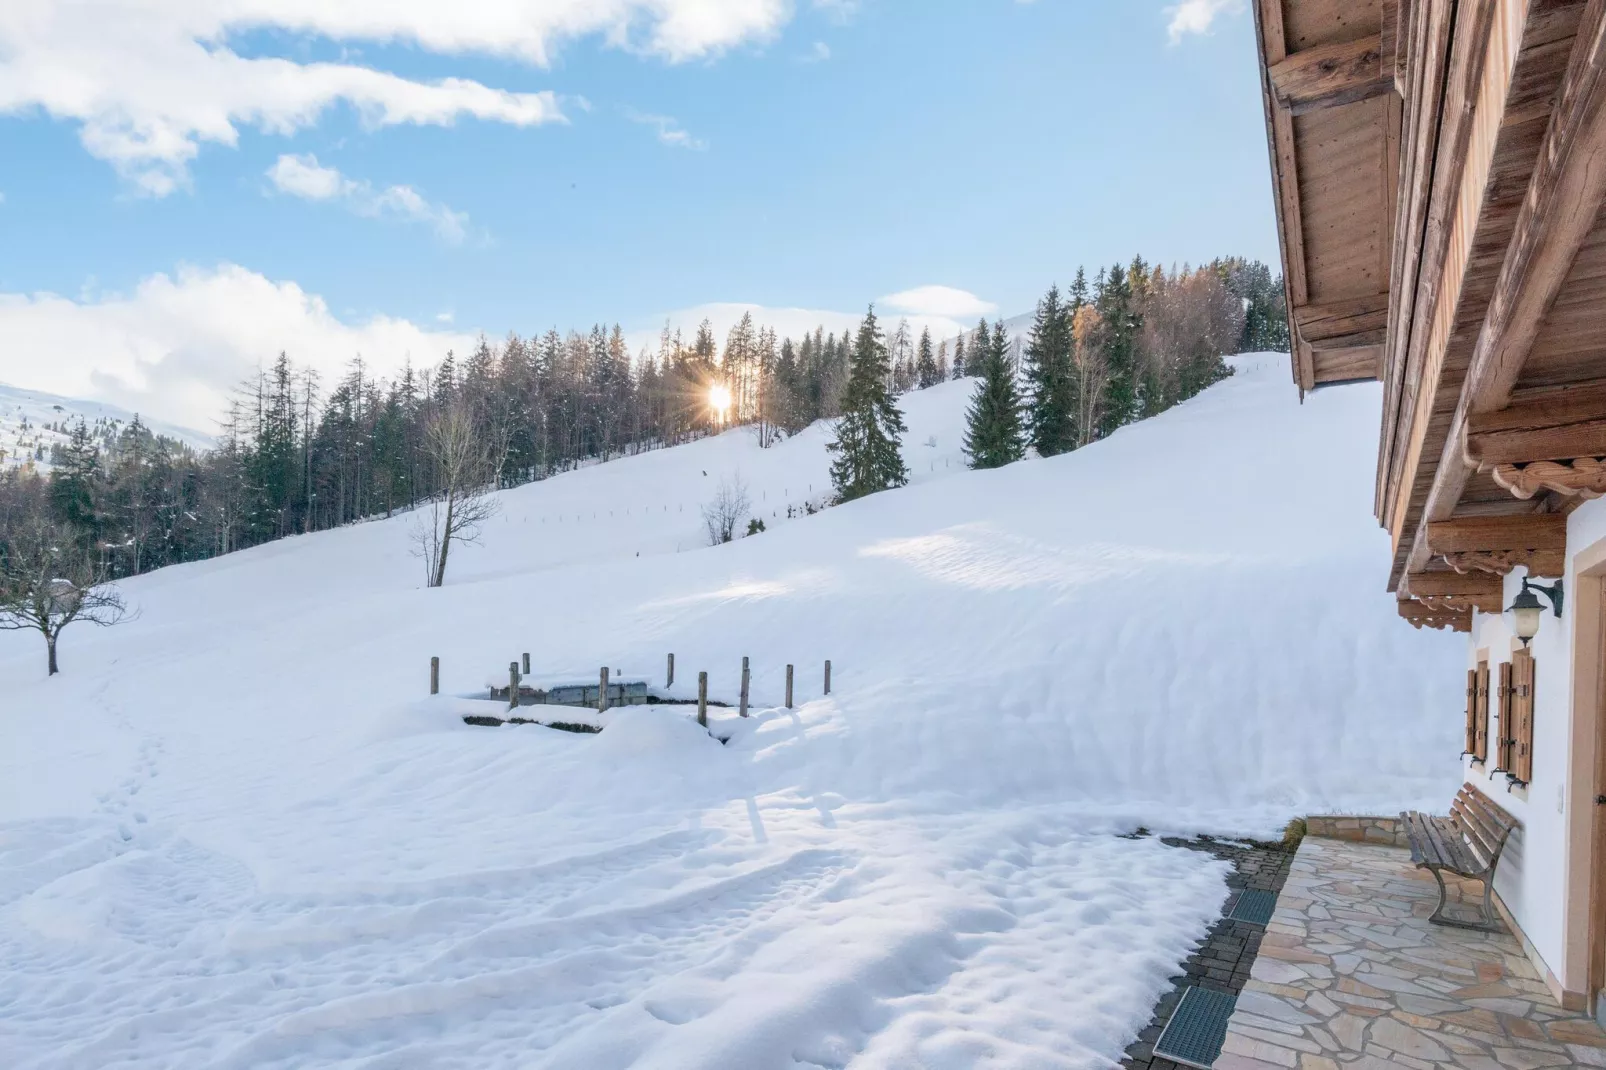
[{"x": 236, "y": 832}]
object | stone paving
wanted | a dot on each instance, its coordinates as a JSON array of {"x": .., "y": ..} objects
[{"x": 1350, "y": 974}]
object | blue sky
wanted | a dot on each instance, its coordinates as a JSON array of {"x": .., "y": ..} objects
[{"x": 201, "y": 206}]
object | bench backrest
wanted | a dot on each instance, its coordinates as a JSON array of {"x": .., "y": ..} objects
[{"x": 1483, "y": 825}]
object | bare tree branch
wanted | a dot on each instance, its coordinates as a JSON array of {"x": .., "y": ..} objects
[{"x": 48, "y": 580}]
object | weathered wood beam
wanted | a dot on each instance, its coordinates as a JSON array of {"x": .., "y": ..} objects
[
  {"x": 1473, "y": 534},
  {"x": 1549, "y": 406},
  {"x": 1344, "y": 324},
  {"x": 1327, "y": 76},
  {"x": 1587, "y": 439},
  {"x": 1273, "y": 43},
  {"x": 1568, "y": 174},
  {"x": 1346, "y": 365},
  {"x": 1451, "y": 585},
  {"x": 1564, "y": 198}
]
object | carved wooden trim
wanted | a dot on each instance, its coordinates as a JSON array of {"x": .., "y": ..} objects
[
  {"x": 1426, "y": 615},
  {"x": 1584, "y": 477},
  {"x": 1500, "y": 562}
]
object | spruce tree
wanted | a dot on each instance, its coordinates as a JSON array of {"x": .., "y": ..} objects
[
  {"x": 992, "y": 424},
  {"x": 1051, "y": 378},
  {"x": 926, "y": 362},
  {"x": 869, "y": 432},
  {"x": 1120, "y": 353},
  {"x": 959, "y": 357}
]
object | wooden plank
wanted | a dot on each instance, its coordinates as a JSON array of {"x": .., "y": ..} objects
[
  {"x": 1541, "y": 444},
  {"x": 1331, "y": 75},
  {"x": 1564, "y": 197},
  {"x": 1284, "y": 171},
  {"x": 1451, "y": 584},
  {"x": 1503, "y": 744},
  {"x": 1528, "y": 531},
  {"x": 1458, "y": 185},
  {"x": 1359, "y": 321},
  {"x": 1344, "y": 365},
  {"x": 1549, "y": 406}
]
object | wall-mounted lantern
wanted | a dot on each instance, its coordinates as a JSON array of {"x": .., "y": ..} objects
[{"x": 1526, "y": 610}]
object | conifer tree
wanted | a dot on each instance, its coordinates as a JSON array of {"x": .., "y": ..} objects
[
  {"x": 870, "y": 430},
  {"x": 959, "y": 357},
  {"x": 992, "y": 424},
  {"x": 1051, "y": 379},
  {"x": 1120, "y": 352},
  {"x": 926, "y": 373}
]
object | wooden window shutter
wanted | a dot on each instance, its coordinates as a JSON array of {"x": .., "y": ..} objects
[
  {"x": 1505, "y": 745},
  {"x": 1472, "y": 712},
  {"x": 1480, "y": 748},
  {"x": 1522, "y": 716}
]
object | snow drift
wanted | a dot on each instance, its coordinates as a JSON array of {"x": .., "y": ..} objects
[{"x": 237, "y": 833}]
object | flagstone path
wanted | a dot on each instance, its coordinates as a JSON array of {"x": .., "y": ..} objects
[{"x": 1350, "y": 974}]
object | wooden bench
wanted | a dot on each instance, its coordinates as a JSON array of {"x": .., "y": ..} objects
[{"x": 1467, "y": 843}]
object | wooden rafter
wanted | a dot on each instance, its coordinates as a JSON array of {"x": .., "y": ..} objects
[
  {"x": 1331, "y": 75},
  {"x": 1563, "y": 200},
  {"x": 1452, "y": 585},
  {"x": 1273, "y": 42},
  {"x": 1476, "y": 534},
  {"x": 1344, "y": 324},
  {"x": 1563, "y": 443}
]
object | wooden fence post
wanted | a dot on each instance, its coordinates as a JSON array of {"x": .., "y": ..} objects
[
  {"x": 512, "y": 685},
  {"x": 602, "y": 692},
  {"x": 434, "y": 676},
  {"x": 670, "y": 682},
  {"x": 526, "y": 664},
  {"x": 702, "y": 699},
  {"x": 789, "y": 687},
  {"x": 745, "y": 677},
  {"x": 827, "y": 676}
]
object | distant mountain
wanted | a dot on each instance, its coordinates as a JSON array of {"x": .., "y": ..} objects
[{"x": 31, "y": 421}]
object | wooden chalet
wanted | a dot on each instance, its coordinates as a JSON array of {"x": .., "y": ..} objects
[{"x": 1439, "y": 169}]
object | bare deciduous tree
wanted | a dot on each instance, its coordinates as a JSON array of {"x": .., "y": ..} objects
[
  {"x": 464, "y": 470},
  {"x": 48, "y": 581},
  {"x": 720, "y": 516}
]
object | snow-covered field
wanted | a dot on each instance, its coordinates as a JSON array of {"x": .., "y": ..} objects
[{"x": 237, "y": 833}]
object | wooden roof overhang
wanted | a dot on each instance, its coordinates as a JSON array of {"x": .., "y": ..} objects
[{"x": 1493, "y": 351}]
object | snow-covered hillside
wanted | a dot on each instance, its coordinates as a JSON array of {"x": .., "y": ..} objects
[
  {"x": 237, "y": 833},
  {"x": 32, "y": 421}
]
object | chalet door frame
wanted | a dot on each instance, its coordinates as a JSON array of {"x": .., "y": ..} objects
[{"x": 1585, "y": 837}]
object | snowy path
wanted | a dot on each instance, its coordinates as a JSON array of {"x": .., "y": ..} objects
[{"x": 235, "y": 833}]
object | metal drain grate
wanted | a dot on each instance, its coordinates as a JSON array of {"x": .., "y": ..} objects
[
  {"x": 1254, "y": 907},
  {"x": 1197, "y": 1029}
]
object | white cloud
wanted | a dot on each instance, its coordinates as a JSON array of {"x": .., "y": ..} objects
[
  {"x": 819, "y": 53},
  {"x": 1198, "y": 16},
  {"x": 942, "y": 301},
  {"x": 670, "y": 132},
  {"x": 148, "y": 81},
  {"x": 176, "y": 346},
  {"x": 304, "y": 176}
]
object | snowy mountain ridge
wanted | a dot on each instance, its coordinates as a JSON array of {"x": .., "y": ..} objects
[{"x": 31, "y": 421}]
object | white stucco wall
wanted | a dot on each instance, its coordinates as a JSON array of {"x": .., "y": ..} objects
[{"x": 1532, "y": 879}]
